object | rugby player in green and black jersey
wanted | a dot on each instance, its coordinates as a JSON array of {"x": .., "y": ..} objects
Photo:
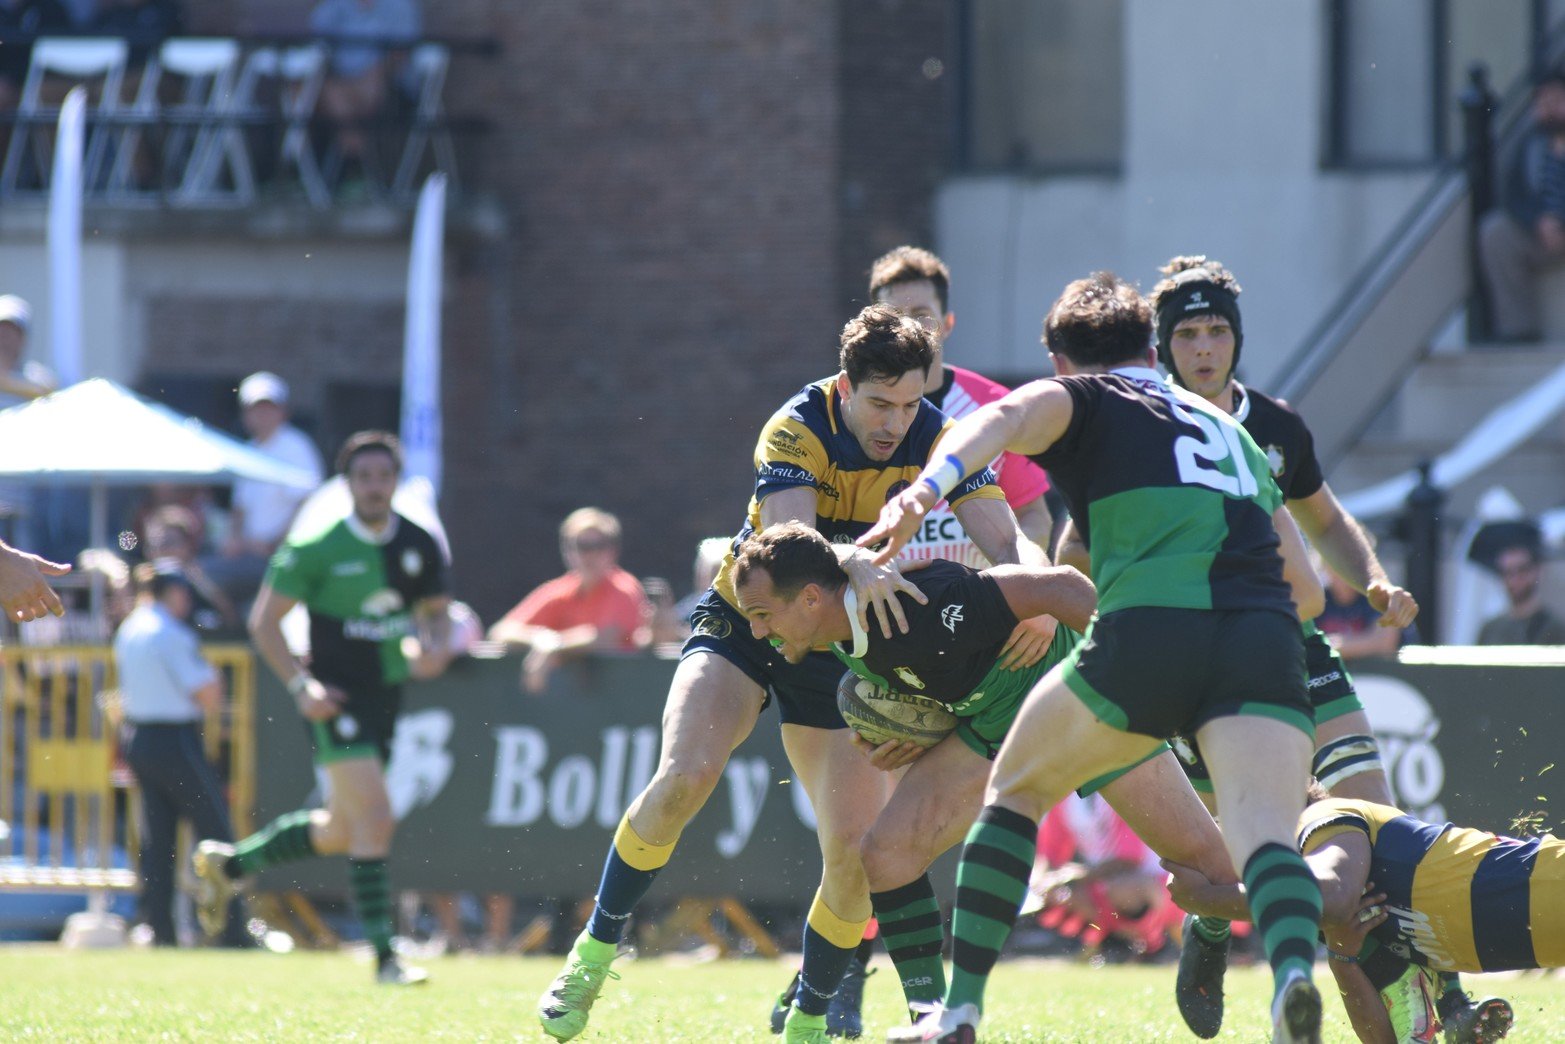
[
  {"x": 369, "y": 582},
  {"x": 794, "y": 593},
  {"x": 1202, "y": 580},
  {"x": 1199, "y": 337}
]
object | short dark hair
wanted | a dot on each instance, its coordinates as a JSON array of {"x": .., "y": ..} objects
[
  {"x": 1098, "y": 321},
  {"x": 910, "y": 264},
  {"x": 882, "y": 344},
  {"x": 157, "y": 577},
  {"x": 793, "y": 555},
  {"x": 370, "y": 442}
]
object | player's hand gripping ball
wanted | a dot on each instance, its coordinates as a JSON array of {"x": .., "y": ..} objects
[{"x": 880, "y": 714}]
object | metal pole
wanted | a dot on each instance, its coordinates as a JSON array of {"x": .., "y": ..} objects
[
  {"x": 1478, "y": 104},
  {"x": 99, "y": 516},
  {"x": 1421, "y": 527}
]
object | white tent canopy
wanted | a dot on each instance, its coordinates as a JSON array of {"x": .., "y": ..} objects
[{"x": 98, "y": 432}]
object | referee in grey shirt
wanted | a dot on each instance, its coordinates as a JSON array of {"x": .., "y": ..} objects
[{"x": 166, "y": 687}]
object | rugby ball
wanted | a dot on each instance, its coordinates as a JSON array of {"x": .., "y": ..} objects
[{"x": 880, "y": 714}]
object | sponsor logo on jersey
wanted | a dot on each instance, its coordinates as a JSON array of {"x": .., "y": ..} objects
[
  {"x": 1276, "y": 460},
  {"x": 907, "y": 675},
  {"x": 382, "y": 603},
  {"x": 1322, "y": 680},
  {"x": 897, "y": 487},
  {"x": 376, "y": 629},
  {"x": 353, "y": 568},
  {"x": 712, "y": 626},
  {"x": 951, "y": 615},
  {"x": 785, "y": 473},
  {"x": 786, "y": 443},
  {"x": 827, "y": 490},
  {"x": 412, "y": 562}
]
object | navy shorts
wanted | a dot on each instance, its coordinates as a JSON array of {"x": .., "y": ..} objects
[{"x": 806, "y": 693}]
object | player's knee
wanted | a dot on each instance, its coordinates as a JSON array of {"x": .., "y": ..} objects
[
  {"x": 371, "y": 829},
  {"x": 681, "y": 788}
]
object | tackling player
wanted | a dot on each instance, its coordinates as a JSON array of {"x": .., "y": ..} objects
[
  {"x": 917, "y": 283},
  {"x": 795, "y": 594},
  {"x": 1199, "y": 337},
  {"x": 368, "y": 582},
  {"x": 830, "y": 457},
  {"x": 1397, "y": 889},
  {"x": 1202, "y": 579}
]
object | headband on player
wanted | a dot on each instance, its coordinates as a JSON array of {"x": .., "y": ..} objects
[{"x": 1190, "y": 297}]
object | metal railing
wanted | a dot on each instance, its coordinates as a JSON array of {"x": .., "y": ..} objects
[
  {"x": 68, "y": 806},
  {"x": 225, "y": 122}
]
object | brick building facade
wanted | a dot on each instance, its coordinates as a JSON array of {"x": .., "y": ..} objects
[{"x": 689, "y": 195}]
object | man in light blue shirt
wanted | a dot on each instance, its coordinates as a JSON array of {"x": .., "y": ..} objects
[{"x": 167, "y": 687}]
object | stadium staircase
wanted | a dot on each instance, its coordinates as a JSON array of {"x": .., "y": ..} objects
[{"x": 1390, "y": 376}]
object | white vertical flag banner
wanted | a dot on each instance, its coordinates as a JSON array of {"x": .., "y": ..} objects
[
  {"x": 65, "y": 240},
  {"x": 421, "y": 418}
]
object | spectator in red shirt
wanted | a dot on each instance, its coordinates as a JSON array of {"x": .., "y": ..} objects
[{"x": 595, "y": 607}]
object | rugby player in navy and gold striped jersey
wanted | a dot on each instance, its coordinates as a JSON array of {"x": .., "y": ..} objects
[
  {"x": 830, "y": 458},
  {"x": 1397, "y": 889}
]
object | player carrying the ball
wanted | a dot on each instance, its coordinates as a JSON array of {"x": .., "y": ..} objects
[
  {"x": 830, "y": 457},
  {"x": 1202, "y": 580},
  {"x": 795, "y": 594}
]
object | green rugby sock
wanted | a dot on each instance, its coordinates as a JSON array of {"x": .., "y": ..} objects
[
  {"x": 1285, "y": 908},
  {"x": 991, "y": 881},
  {"x": 372, "y": 896},
  {"x": 1213, "y": 930},
  {"x": 285, "y": 839},
  {"x": 910, "y": 923}
]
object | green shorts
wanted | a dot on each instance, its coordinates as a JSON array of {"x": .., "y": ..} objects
[
  {"x": 1163, "y": 672},
  {"x": 986, "y": 715}
]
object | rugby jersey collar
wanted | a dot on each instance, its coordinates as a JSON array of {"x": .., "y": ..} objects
[
  {"x": 369, "y": 536},
  {"x": 1241, "y": 403},
  {"x": 850, "y": 602},
  {"x": 1138, "y": 373}
]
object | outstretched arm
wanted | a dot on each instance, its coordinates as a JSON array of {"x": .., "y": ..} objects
[
  {"x": 24, "y": 593},
  {"x": 1029, "y": 420}
]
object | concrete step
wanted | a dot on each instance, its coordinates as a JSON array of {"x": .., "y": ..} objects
[
  {"x": 1448, "y": 393},
  {"x": 1534, "y": 472}
]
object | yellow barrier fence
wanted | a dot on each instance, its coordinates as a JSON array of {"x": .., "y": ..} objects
[{"x": 67, "y": 802}]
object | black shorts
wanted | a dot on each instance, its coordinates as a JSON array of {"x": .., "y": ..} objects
[
  {"x": 1331, "y": 696},
  {"x": 1331, "y": 686},
  {"x": 806, "y": 693},
  {"x": 362, "y": 730},
  {"x": 1164, "y": 672}
]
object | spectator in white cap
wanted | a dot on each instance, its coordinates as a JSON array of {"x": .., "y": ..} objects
[
  {"x": 19, "y": 380},
  {"x": 262, "y": 511}
]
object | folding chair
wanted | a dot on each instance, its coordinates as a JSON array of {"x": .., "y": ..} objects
[
  {"x": 300, "y": 71},
  {"x": 427, "y": 66},
  {"x": 204, "y": 132},
  {"x": 83, "y": 59}
]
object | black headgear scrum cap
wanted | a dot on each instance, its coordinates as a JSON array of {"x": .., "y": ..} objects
[{"x": 1193, "y": 294}]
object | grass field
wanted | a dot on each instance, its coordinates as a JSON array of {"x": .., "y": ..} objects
[{"x": 48, "y": 994}]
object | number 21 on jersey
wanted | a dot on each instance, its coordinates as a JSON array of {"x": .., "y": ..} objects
[{"x": 1199, "y": 459}]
